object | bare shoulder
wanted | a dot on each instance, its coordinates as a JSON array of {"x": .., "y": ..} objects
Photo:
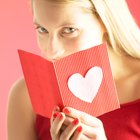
[
  {"x": 20, "y": 115},
  {"x": 19, "y": 94}
]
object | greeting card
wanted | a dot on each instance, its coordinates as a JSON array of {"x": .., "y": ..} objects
[{"x": 82, "y": 80}]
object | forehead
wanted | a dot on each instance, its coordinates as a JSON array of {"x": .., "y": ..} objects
[
  {"x": 81, "y": 3},
  {"x": 55, "y": 11}
]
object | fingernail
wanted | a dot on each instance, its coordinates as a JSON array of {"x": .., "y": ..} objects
[
  {"x": 79, "y": 129},
  {"x": 76, "y": 121},
  {"x": 55, "y": 114},
  {"x": 60, "y": 116},
  {"x": 66, "y": 111}
]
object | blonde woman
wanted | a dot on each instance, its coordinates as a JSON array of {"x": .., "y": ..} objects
[{"x": 65, "y": 27}]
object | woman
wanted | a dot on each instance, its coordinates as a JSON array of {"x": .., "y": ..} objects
[{"x": 65, "y": 27}]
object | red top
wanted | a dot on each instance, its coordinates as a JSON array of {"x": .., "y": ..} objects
[{"x": 121, "y": 124}]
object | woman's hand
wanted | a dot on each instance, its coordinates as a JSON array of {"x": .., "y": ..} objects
[
  {"x": 76, "y": 125},
  {"x": 92, "y": 127},
  {"x": 59, "y": 130}
]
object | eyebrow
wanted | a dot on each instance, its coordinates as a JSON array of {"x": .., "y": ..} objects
[
  {"x": 35, "y": 22},
  {"x": 64, "y": 24}
]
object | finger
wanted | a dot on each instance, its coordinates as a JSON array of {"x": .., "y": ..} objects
[
  {"x": 84, "y": 117},
  {"x": 93, "y": 132},
  {"x": 78, "y": 133},
  {"x": 89, "y": 131},
  {"x": 83, "y": 137},
  {"x": 79, "y": 136},
  {"x": 55, "y": 112},
  {"x": 68, "y": 120},
  {"x": 69, "y": 130},
  {"x": 57, "y": 124}
]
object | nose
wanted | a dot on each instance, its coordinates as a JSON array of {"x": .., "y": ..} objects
[{"x": 54, "y": 49}]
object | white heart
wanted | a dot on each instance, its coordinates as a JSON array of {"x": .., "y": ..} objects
[{"x": 86, "y": 88}]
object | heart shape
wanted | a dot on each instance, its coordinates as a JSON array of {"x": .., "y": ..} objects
[{"x": 86, "y": 88}]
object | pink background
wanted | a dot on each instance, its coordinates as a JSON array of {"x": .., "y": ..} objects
[{"x": 17, "y": 32}]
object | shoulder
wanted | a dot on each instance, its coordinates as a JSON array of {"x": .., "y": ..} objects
[
  {"x": 20, "y": 115},
  {"x": 18, "y": 90},
  {"x": 19, "y": 95}
]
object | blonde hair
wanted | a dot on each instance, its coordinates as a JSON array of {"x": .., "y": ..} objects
[{"x": 123, "y": 34}]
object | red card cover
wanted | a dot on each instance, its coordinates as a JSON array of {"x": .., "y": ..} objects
[
  {"x": 48, "y": 82},
  {"x": 41, "y": 83},
  {"x": 106, "y": 99}
]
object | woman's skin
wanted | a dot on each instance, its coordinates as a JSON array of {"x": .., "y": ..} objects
[
  {"x": 61, "y": 33},
  {"x": 63, "y": 29}
]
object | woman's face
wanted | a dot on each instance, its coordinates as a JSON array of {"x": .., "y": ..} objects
[{"x": 63, "y": 29}]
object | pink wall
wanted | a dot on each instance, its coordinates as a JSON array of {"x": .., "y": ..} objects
[{"x": 16, "y": 32}]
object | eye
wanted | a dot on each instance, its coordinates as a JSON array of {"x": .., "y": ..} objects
[
  {"x": 41, "y": 29},
  {"x": 68, "y": 30}
]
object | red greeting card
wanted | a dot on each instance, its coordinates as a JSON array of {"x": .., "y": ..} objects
[{"x": 82, "y": 80}]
